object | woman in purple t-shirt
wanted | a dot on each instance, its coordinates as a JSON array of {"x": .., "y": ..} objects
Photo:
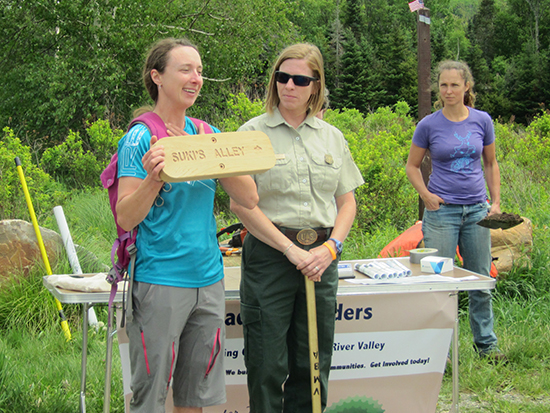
[{"x": 459, "y": 137}]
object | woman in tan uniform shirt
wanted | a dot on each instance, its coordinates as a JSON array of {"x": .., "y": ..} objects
[{"x": 306, "y": 209}]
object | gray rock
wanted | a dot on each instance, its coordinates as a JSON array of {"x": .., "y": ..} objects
[{"x": 19, "y": 249}]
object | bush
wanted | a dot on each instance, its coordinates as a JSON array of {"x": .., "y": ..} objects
[
  {"x": 44, "y": 192},
  {"x": 240, "y": 110},
  {"x": 77, "y": 162},
  {"x": 533, "y": 151},
  {"x": 507, "y": 138},
  {"x": 379, "y": 143},
  {"x": 526, "y": 149}
]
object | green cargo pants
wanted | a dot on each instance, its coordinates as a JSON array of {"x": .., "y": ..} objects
[{"x": 274, "y": 314}]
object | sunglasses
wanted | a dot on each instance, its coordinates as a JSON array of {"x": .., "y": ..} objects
[{"x": 298, "y": 80}]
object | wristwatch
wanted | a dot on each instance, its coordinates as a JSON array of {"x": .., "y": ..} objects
[{"x": 338, "y": 244}]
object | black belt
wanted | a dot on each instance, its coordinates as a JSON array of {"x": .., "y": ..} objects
[{"x": 306, "y": 236}]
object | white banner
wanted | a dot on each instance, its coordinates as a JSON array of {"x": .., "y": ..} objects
[
  {"x": 382, "y": 354},
  {"x": 235, "y": 370}
]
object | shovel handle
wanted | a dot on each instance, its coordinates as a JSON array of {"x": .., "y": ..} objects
[{"x": 313, "y": 347}]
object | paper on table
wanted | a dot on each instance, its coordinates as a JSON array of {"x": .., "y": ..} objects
[
  {"x": 413, "y": 280},
  {"x": 93, "y": 284}
]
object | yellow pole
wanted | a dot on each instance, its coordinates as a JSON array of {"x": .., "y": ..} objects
[
  {"x": 313, "y": 347},
  {"x": 64, "y": 324}
]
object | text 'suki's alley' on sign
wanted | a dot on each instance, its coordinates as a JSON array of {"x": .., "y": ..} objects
[{"x": 217, "y": 155}]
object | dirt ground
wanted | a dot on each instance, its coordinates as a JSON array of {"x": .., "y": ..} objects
[
  {"x": 469, "y": 403},
  {"x": 232, "y": 261}
]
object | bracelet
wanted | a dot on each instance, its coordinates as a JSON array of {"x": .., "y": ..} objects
[
  {"x": 332, "y": 252},
  {"x": 287, "y": 248}
]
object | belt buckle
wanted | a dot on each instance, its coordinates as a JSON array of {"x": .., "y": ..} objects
[{"x": 306, "y": 236}]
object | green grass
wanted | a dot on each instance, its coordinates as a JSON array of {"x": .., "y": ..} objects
[
  {"x": 522, "y": 385},
  {"x": 25, "y": 304},
  {"x": 41, "y": 372}
]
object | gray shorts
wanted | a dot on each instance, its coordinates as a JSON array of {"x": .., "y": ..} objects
[{"x": 177, "y": 335}]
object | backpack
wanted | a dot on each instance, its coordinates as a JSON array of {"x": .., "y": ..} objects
[
  {"x": 237, "y": 232},
  {"x": 124, "y": 246},
  {"x": 235, "y": 243}
]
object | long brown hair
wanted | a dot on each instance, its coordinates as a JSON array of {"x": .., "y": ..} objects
[
  {"x": 314, "y": 58},
  {"x": 465, "y": 72},
  {"x": 157, "y": 58}
]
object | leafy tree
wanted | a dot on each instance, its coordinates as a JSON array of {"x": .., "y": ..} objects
[
  {"x": 528, "y": 83},
  {"x": 449, "y": 22},
  {"x": 66, "y": 63},
  {"x": 354, "y": 18},
  {"x": 60, "y": 67},
  {"x": 313, "y": 18},
  {"x": 538, "y": 9},
  {"x": 353, "y": 90},
  {"x": 482, "y": 29},
  {"x": 508, "y": 35},
  {"x": 400, "y": 79},
  {"x": 318, "y": 22}
]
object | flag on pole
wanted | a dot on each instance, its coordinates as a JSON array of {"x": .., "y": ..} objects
[{"x": 416, "y": 5}]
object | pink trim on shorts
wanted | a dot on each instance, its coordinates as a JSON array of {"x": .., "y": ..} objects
[
  {"x": 145, "y": 352},
  {"x": 214, "y": 354},
  {"x": 171, "y": 365}
]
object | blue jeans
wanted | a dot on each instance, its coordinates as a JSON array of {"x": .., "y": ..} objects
[{"x": 453, "y": 225}]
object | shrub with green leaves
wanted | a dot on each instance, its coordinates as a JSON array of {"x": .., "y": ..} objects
[
  {"x": 78, "y": 162},
  {"x": 240, "y": 110},
  {"x": 44, "y": 192},
  {"x": 379, "y": 143},
  {"x": 533, "y": 151},
  {"x": 103, "y": 140},
  {"x": 507, "y": 138}
]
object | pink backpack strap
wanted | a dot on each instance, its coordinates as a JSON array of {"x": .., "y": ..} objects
[
  {"x": 153, "y": 122},
  {"x": 157, "y": 126},
  {"x": 197, "y": 122}
]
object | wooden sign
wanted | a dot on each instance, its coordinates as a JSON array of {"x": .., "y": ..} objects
[{"x": 216, "y": 155}]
